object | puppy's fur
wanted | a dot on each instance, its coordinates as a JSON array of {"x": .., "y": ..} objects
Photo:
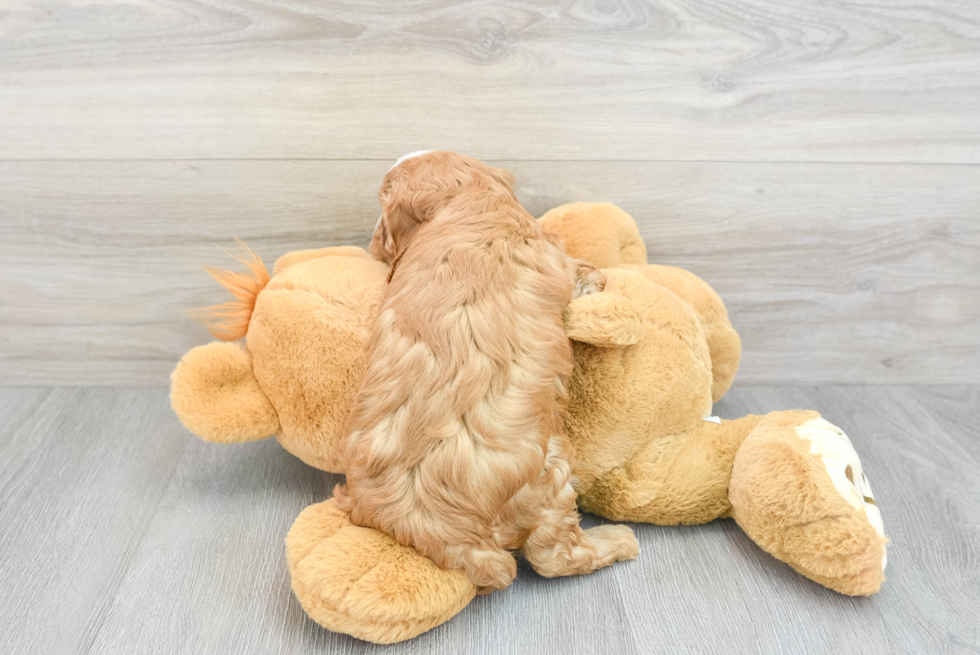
[{"x": 457, "y": 446}]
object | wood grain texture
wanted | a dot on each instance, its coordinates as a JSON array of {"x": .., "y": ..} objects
[
  {"x": 754, "y": 80},
  {"x": 121, "y": 533},
  {"x": 81, "y": 474},
  {"x": 832, "y": 273}
]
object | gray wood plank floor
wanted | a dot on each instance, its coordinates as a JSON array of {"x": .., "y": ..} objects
[{"x": 121, "y": 533}]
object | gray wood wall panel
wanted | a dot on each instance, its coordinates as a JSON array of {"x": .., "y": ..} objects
[
  {"x": 121, "y": 533},
  {"x": 846, "y": 273},
  {"x": 610, "y": 79},
  {"x": 817, "y": 163}
]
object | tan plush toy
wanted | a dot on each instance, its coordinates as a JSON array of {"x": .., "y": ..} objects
[{"x": 652, "y": 352}]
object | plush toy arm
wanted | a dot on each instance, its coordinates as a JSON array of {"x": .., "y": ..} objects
[
  {"x": 297, "y": 256},
  {"x": 216, "y": 396},
  {"x": 603, "y": 319},
  {"x": 723, "y": 342}
]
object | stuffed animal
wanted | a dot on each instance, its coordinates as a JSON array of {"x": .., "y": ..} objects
[{"x": 652, "y": 352}]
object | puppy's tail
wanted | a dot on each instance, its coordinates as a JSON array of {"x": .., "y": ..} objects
[{"x": 229, "y": 321}]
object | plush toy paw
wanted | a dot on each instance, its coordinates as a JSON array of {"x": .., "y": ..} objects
[
  {"x": 216, "y": 396},
  {"x": 361, "y": 582},
  {"x": 798, "y": 490}
]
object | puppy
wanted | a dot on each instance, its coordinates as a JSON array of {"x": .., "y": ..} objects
[{"x": 456, "y": 444}]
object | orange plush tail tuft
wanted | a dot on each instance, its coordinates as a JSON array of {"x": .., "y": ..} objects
[{"x": 229, "y": 321}]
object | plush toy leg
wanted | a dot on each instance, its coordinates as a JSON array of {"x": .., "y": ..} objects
[
  {"x": 361, "y": 582},
  {"x": 677, "y": 479},
  {"x": 797, "y": 489}
]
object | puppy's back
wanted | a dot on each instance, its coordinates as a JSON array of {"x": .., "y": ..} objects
[{"x": 466, "y": 376}]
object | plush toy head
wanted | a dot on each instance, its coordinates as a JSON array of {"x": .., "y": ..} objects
[
  {"x": 605, "y": 235},
  {"x": 301, "y": 365},
  {"x": 598, "y": 232}
]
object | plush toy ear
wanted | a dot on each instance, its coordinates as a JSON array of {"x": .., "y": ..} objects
[
  {"x": 604, "y": 319},
  {"x": 216, "y": 396}
]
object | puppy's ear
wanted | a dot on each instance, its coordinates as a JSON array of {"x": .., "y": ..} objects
[
  {"x": 503, "y": 176},
  {"x": 401, "y": 224},
  {"x": 607, "y": 320},
  {"x": 379, "y": 242},
  {"x": 395, "y": 263},
  {"x": 398, "y": 219},
  {"x": 396, "y": 229}
]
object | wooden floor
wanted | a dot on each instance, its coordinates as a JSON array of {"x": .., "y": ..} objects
[{"x": 122, "y": 533}]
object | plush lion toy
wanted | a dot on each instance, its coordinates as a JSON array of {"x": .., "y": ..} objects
[{"x": 653, "y": 351}]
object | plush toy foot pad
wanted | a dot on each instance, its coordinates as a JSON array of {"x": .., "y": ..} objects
[
  {"x": 361, "y": 582},
  {"x": 798, "y": 490}
]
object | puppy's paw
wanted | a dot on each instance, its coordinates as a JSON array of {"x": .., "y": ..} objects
[
  {"x": 589, "y": 282},
  {"x": 616, "y": 542},
  {"x": 489, "y": 569}
]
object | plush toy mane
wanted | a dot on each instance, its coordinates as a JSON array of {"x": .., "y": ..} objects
[{"x": 229, "y": 321}]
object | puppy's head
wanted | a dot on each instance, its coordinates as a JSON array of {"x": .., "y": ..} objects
[{"x": 418, "y": 186}]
